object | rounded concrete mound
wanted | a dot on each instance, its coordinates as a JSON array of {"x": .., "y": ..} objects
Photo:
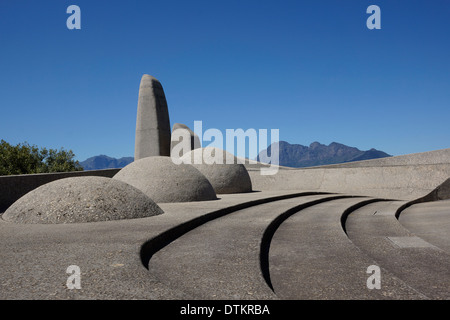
[
  {"x": 164, "y": 181},
  {"x": 81, "y": 199},
  {"x": 221, "y": 168}
]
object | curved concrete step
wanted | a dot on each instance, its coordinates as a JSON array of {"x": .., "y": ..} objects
[
  {"x": 311, "y": 257},
  {"x": 221, "y": 258},
  {"x": 423, "y": 266},
  {"x": 430, "y": 221},
  {"x": 150, "y": 247}
]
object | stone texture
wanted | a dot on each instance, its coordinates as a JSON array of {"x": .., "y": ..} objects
[
  {"x": 225, "y": 177},
  {"x": 429, "y": 221},
  {"x": 310, "y": 248},
  {"x": 419, "y": 264},
  {"x": 179, "y": 132},
  {"x": 164, "y": 181},
  {"x": 81, "y": 199},
  {"x": 442, "y": 192},
  {"x": 152, "y": 123},
  {"x": 112, "y": 268},
  {"x": 410, "y": 242}
]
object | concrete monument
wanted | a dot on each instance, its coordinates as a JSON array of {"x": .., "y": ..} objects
[
  {"x": 152, "y": 123},
  {"x": 180, "y": 132}
]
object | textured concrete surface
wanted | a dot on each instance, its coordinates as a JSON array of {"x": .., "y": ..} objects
[
  {"x": 34, "y": 258},
  {"x": 164, "y": 181},
  {"x": 422, "y": 266},
  {"x": 406, "y": 182},
  {"x": 15, "y": 186},
  {"x": 441, "y": 192},
  {"x": 152, "y": 122},
  {"x": 81, "y": 199},
  {"x": 430, "y": 221},
  {"x": 221, "y": 259},
  {"x": 221, "y": 168},
  {"x": 211, "y": 250},
  {"x": 312, "y": 258}
]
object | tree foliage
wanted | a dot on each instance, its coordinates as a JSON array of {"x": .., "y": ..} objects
[{"x": 24, "y": 159}]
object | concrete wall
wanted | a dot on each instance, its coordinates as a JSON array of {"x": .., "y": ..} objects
[
  {"x": 15, "y": 186},
  {"x": 402, "y": 182},
  {"x": 430, "y": 157},
  {"x": 407, "y": 177}
]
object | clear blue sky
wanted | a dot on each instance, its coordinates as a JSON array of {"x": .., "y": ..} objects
[{"x": 311, "y": 69}]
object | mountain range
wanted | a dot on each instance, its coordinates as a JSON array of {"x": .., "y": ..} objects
[
  {"x": 317, "y": 154},
  {"x": 291, "y": 155}
]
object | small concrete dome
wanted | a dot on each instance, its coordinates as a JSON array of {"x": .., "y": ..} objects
[
  {"x": 81, "y": 199},
  {"x": 164, "y": 181},
  {"x": 221, "y": 168}
]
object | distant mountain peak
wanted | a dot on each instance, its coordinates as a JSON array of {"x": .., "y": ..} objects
[
  {"x": 105, "y": 162},
  {"x": 315, "y": 144}
]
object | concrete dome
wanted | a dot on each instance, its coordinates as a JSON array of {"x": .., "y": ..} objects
[
  {"x": 221, "y": 168},
  {"x": 81, "y": 199},
  {"x": 164, "y": 181}
]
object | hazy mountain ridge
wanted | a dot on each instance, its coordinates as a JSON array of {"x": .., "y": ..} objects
[
  {"x": 297, "y": 155},
  {"x": 104, "y": 162}
]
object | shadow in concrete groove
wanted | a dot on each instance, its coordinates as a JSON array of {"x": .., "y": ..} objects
[
  {"x": 349, "y": 210},
  {"x": 441, "y": 192},
  {"x": 150, "y": 247},
  {"x": 273, "y": 226}
]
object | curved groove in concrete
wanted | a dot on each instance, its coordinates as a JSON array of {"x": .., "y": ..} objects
[
  {"x": 441, "y": 192},
  {"x": 150, "y": 247},
  {"x": 221, "y": 259},
  {"x": 355, "y": 207},
  {"x": 403, "y": 207},
  {"x": 311, "y": 257},
  {"x": 273, "y": 226},
  {"x": 412, "y": 259}
]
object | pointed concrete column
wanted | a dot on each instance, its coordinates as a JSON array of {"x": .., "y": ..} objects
[{"x": 152, "y": 123}]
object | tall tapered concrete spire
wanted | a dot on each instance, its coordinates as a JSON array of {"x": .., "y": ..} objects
[
  {"x": 152, "y": 123},
  {"x": 179, "y": 132}
]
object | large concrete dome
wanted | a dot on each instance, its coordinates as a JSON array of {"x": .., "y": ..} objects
[
  {"x": 164, "y": 181},
  {"x": 221, "y": 168},
  {"x": 81, "y": 199}
]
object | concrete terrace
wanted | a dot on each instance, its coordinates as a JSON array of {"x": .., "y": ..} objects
[{"x": 259, "y": 245}]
